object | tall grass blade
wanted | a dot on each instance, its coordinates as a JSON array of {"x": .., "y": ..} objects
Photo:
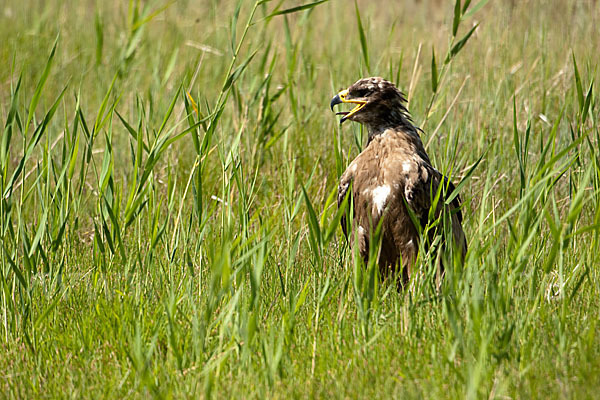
[
  {"x": 40, "y": 85},
  {"x": 297, "y": 8},
  {"x": 456, "y": 19},
  {"x": 434, "y": 72},
  {"x": 460, "y": 44},
  {"x": 474, "y": 9},
  {"x": 363, "y": 38},
  {"x": 578, "y": 85}
]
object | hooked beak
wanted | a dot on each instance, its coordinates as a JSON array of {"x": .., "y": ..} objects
[{"x": 341, "y": 97}]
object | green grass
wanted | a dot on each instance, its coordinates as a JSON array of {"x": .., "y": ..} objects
[{"x": 167, "y": 222}]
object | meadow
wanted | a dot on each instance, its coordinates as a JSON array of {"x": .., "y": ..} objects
[{"x": 168, "y": 223}]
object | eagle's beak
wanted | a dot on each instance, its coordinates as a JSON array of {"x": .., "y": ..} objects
[{"x": 341, "y": 97}]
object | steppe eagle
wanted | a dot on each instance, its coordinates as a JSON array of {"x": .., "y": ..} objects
[{"x": 393, "y": 178}]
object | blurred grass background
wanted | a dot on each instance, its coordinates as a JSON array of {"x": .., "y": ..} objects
[{"x": 156, "y": 240}]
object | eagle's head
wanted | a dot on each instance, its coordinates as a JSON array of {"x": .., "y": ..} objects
[{"x": 378, "y": 103}]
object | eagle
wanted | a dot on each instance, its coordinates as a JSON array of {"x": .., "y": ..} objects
[{"x": 392, "y": 184}]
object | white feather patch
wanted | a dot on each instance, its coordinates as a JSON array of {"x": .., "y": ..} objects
[{"x": 380, "y": 195}]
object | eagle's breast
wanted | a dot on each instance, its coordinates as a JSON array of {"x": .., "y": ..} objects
[{"x": 385, "y": 177}]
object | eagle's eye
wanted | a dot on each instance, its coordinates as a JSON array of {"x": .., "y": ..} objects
[{"x": 360, "y": 93}]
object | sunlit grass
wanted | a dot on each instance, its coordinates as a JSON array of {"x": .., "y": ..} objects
[{"x": 168, "y": 176}]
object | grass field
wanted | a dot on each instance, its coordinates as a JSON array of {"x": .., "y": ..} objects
[{"x": 167, "y": 218}]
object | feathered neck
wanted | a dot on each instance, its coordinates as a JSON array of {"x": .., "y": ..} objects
[{"x": 396, "y": 119}]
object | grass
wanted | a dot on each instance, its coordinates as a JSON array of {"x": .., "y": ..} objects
[{"x": 168, "y": 223}]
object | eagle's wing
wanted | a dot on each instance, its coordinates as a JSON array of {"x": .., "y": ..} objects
[{"x": 420, "y": 190}]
